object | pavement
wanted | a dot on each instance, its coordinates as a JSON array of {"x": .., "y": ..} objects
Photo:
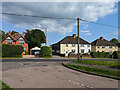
[{"x": 50, "y": 74}]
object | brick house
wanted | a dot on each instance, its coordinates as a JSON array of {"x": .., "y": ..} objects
[{"x": 16, "y": 39}]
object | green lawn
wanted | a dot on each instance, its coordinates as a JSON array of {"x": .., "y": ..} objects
[
  {"x": 5, "y": 87},
  {"x": 96, "y": 70},
  {"x": 107, "y": 63}
]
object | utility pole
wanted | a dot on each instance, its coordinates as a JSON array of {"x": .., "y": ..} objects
[
  {"x": 78, "y": 40},
  {"x": 46, "y": 36}
]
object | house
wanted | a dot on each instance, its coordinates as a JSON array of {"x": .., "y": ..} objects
[
  {"x": 16, "y": 39},
  {"x": 102, "y": 45},
  {"x": 118, "y": 47},
  {"x": 69, "y": 44}
]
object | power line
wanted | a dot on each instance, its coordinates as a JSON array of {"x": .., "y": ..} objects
[
  {"x": 62, "y": 18},
  {"x": 99, "y": 23},
  {"x": 40, "y": 16}
]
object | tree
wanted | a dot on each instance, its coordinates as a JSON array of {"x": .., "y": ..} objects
[
  {"x": 114, "y": 40},
  {"x": 2, "y": 33},
  {"x": 35, "y": 37}
]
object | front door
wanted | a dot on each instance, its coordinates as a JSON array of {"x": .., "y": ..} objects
[{"x": 66, "y": 52}]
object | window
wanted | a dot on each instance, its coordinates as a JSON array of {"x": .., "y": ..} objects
[
  {"x": 9, "y": 41},
  {"x": 16, "y": 36},
  {"x": 98, "y": 47},
  {"x": 73, "y": 51},
  {"x": 88, "y": 45},
  {"x": 110, "y": 46},
  {"x": 82, "y": 50},
  {"x": 110, "y": 52},
  {"x": 66, "y": 45},
  {"x": 73, "y": 45},
  {"x": 103, "y": 46},
  {"x": 21, "y": 42},
  {"x": 57, "y": 51},
  {"x": 82, "y": 45}
]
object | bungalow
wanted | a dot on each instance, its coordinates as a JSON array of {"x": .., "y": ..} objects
[
  {"x": 102, "y": 45},
  {"x": 16, "y": 39},
  {"x": 69, "y": 44}
]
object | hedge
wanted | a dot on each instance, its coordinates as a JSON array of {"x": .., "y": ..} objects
[
  {"x": 9, "y": 50},
  {"x": 100, "y": 54},
  {"x": 46, "y": 51},
  {"x": 116, "y": 55}
]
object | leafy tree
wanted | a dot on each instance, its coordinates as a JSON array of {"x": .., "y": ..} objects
[
  {"x": 2, "y": 33},
  {"x": 114, "y": 40},
  {"x": 35, "y": 37}
]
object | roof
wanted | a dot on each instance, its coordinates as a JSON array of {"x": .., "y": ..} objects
[
  {"x": 72, "y": 40},
  {"x": 15, "y": 38},
  {"x": 36, "y": 48},
  {"x": 103, "y": 42}
]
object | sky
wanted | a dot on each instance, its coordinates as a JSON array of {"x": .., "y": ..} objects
[{"x": 99, "y": 12}]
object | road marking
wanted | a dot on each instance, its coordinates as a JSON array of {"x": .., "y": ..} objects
[{"x": 80, "y": 84}]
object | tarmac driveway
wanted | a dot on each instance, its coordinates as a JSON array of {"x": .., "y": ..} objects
[{"x": 50, "y": 75}]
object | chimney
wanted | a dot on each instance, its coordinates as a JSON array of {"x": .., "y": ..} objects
[
  {"x": 23, "y": 34},
  {"x": 101, "y": 38},
  {"x": 74, "y": 35},
  {"x": 9, "y": 33}
]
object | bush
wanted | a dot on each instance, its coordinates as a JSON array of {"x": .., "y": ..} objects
[
  {"x": 116, "y": 55},
  {"x": 26, "y": 52},
  {"x": 9, "y": 50},
  {"x": 100, "y": 54},
  {"x": 46, "y": 51}
]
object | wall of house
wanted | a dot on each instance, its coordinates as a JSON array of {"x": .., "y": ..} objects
[
  {"x": 106, "y": 49},
  {"x": 17, "y": 43},
  {"x": 4, "y": 42},
  {"x": 56, "y": 49},
  {"x": 93, "y": 48},
  {"x": 63, "y": 48}
]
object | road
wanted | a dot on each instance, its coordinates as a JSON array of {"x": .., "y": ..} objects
[{"x": 50, "y": 74}]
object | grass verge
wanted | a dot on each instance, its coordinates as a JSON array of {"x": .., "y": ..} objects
[
  {"x": 107, "y": 63},
  {"x": 96, "y": 70}
]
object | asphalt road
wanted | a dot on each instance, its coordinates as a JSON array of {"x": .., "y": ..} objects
[{"x": 47, "y": 74}]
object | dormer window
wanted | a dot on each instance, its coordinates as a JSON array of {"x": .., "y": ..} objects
[{"x": 16, "y": 36}]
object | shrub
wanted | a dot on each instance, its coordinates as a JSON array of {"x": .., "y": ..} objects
[
  {"x": 116, "y": 55},
  {"x": 9, "y": 50},
  {"x": 46, "y": 51},
  {"x": 26, "y": 52},
  {"x": 100, "y": 54}
]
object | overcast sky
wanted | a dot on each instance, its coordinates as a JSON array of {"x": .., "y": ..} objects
[{"x": 99, "y": 12}]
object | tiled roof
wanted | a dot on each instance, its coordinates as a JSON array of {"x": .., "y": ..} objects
[
  {"x": 103, "y": 42},
  {"x": 72, "y": 40},
  {"x": 15, "y": 38}
]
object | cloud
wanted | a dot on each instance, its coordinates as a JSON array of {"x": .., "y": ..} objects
[
  {"x": 89, "y": 11},
  {"x": 84, "y": 31},
  {"x": 88, "y": 34}
]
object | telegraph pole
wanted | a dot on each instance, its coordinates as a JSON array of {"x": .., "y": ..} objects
[
  {"x": 46, "y": 36},
  {"x": 78, "y": 39}
]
